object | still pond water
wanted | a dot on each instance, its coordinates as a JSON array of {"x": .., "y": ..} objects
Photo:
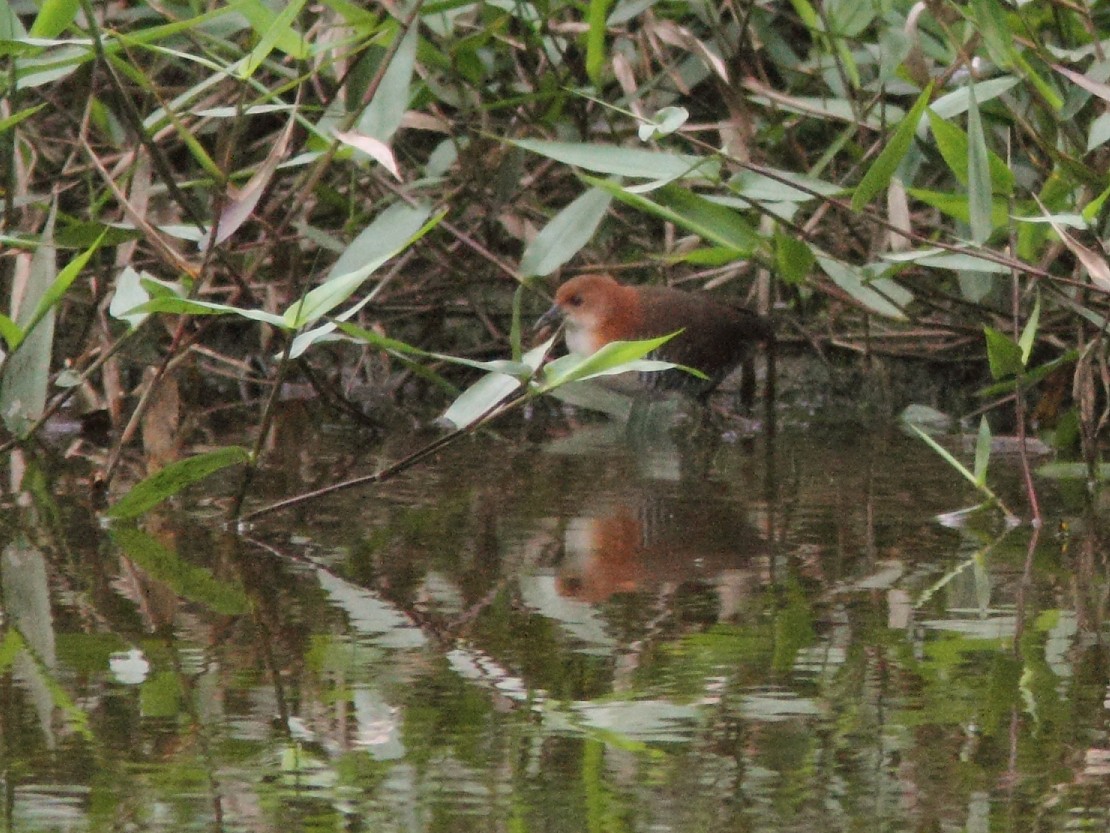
[{"x": 579, "y": 631}]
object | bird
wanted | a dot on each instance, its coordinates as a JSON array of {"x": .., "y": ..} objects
[{"x": 715, "y": 336}]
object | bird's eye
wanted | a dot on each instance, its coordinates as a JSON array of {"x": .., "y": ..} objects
[{"x": 575, "y": 300}]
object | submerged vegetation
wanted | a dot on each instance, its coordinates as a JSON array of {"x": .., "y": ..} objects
[{"x": 205, "y": 201}]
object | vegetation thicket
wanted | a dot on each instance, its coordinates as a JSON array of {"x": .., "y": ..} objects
[{"x": 258, "y": 190}]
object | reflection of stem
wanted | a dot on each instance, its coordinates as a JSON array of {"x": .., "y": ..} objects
[
  {"x": 1019, "y": 389},
  {"x": 393, "y": 469},
  {"x": 970, "y": 562}
]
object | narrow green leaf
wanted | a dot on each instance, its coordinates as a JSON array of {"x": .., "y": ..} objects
[
  {"x": 946, "y": 455},
  {"x": 1003, "y": 354},
  {"x": 505, "y": 366},
  {"x": 991, "y": 25},
  {"x": 595, "y": 39},
  {"x": 807, "y": 14},
  {"x": 173, "y": 478},
  {"x": 565, "y": 235},
  {"x": 26, "y": 370},
  {"x": 188, "y": 306},
  {"x": 978, "y": 174},
  {"x": 1092, "y": 209},
  {"x": 793, "y": 258},
  {"x": 10, "y": 332},
  {"x": 59, "y": 285},
  {"x": 279, "y": 31},
  {"x": 15, "y": 118},
  {"x": 615, "y": 357},
  {"x": 982, "y": 452},
  {"x": 955, "y": 205},
  {"x": 383, "y": 115},
  {"x": 715, "y": 223},
  {"x": 1062, "y": 470},
  {"x": 394, "y": 230},
  {"x": 1029, "y": 332},
  {"x": 884, "y": 166},
  {"x": 952, "y": 143},
  {"x": 492, "y": 389},
  {"x": 53, "y": 18},
  {"x": 883, "y": 296},
  {"x": 958, "y": 101},
  {"x": 480, "y": 398},
  {"x": 1046, "y": 90},
  {"x": 619, "y": 161},
  {"x": 1030, "y": 377},
  {"x": 515, "y": 326}
]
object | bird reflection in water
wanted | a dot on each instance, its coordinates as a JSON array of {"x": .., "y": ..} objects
[{"x": 666, "y": 527}]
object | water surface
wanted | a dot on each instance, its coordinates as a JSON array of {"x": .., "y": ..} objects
[{"x": 575, "y": 630}]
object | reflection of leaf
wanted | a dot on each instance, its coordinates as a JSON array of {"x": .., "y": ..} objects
[
  {"x": 186, "y": 580},
  {"x": 173, "y": 478},
  {"x": 773, "y": 706},
  {"x": 641, "y": 720},
  {"x": 370, "y": 615}
]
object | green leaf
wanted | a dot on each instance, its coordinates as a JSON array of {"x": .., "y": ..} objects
[
  {"x": 1092, "y": 209},
  {"x": 1003, "y": 354},
  {"x": 128, "y": 295},
  {"x": 759, "y": 186},
  {"x": 990, "y": 23},
  {"x": 1030, "y": 377},
  {"x": 941, "y": 259},
  {"x": 882, "y": 295},
  {"x": 619, "y": 161},
  {"x": 492, "y": 389},
  {"x": 173, "y": 478},
  {"x": 58, "y": 287},
  {"x": 1063, "y": 470},
  {"x": 665, "y": 122},
  {"x": 15, "y": 118},
  {"x": 848, "y": 18},
  {"x": 54, "y": 17},
  {"x": 793, "y": 258},
  {"x": 959, "y": 100},
  {"x": 10, "y": 332},
  {"x": 278, "y": 32},
  {"x": 615, "y": 357},
  {"x": 982, "y": 452},
  {"x": 188, "y": 306},
  {"x": 1029, "y": 332},
  {"x": 394, "y": 230},
  {"x": 955, "y": 205},
  {"x": 1045, "y": 89},
  {"x": 978, "y": 175},
  {"x": 480, "y": 398},
  {"x": 595, "y": 39},
  {"x": 512, "y": 368},
  {"x": 383, "y": 115},
  {"x": 26, "y": 370},
  {"x": 953, "y": 146},
  {"x": 711, "y": 256},
  {"x": 883, "y": 168},
  {"x": 945, "y": 455},
  {"x": 715, "y": 223},
  {"x": 566, "y": 234}
]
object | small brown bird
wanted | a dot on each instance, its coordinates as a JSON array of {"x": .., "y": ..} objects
[{"x": 716, "y": 336}]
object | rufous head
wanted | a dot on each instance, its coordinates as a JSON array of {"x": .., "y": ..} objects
[{"x": 596, "y": 310}]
